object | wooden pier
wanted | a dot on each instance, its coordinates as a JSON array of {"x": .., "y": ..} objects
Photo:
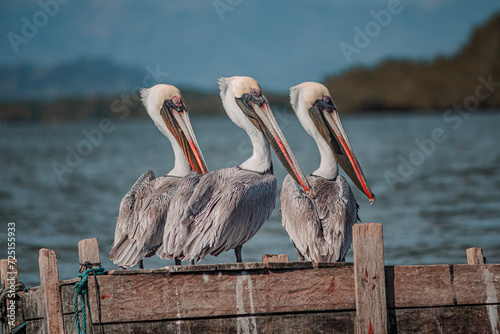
[{"x": 273, "y": 296}]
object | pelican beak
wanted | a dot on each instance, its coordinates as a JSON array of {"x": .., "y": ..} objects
[
  {"x": 327, "y": 121},
  {"x": 177, "y": 120},
  {"x": 260, "y": 114}
]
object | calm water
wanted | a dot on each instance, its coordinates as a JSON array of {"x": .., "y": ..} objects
[{"x": 444, "y": 198}]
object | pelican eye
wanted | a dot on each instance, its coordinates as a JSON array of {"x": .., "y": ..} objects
[
  {"x": 327, "y": 99},
  {"x": 255, "y": 92},
  {"x": 176, "y": 100}
]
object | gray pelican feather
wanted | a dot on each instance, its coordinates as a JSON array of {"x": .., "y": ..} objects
[
  {"x": 223, "y": 209},
  {"x": 143, "y": 210},
  {"x": 320, "y": 223}
]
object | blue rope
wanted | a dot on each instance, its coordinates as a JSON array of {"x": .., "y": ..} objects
[
  {"x": 18, "y": 328},
  {"x": 81, "y": 290}
]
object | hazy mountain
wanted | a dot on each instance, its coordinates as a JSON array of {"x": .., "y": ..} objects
[{"x": 82, "y": 78}]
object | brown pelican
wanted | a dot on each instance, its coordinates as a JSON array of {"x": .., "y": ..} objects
[
  {"x": 143, "y": 210},
  {"x": 320, "y": 223},
  {"x": 223, "y": 209}
]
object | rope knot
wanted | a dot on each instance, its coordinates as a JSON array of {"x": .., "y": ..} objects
[{"x": 81, "y": 290}]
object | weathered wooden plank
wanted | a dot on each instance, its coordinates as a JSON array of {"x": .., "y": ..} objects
[
  {"x": 369, "y": 278},
  {"x": 68, "y": 310},
  {"x": 115, "y": 272},
  {"x": 290, "y": 265},
  {"x": 475, "y": 255},
  {"x": 49, "y": 280},
  {"x": 161, "y": 295},
  {"x": 458, "y": 319},
  {"x": 275, "y": 258},
  {"x": 70, "y": 324},
  {"x": 449, "y": 320},
  {"x": 67, "y": 298},
  {"x": 477, "y": 284},
  {"x": 334, "y": 322},
  {"x": 418, "y": 286},
  {"x": 164, "y": 296},
  {"x": 36, "y": 326},
  {"x": 333, "y": 264},
  {"x": 310, "y": 290},
  {"x": 88, "y": 252},
  {"x": 201, "y": 268},
  {"x": 9, "y": 276},
  {"x": 241, "y": 266},
  {"x": 33, "y": 304}
]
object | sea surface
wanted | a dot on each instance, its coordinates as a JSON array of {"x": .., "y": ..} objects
[{"x": 436, "y": 178}]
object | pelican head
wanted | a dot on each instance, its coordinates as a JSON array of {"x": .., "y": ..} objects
[
  {"x": 313, "y": 104},
  {"x": 166, "y": 107},
  {"x": 248, "y": 108}
]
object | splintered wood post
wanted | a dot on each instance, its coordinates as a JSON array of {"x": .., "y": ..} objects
[
  {"x": 10, "y": 280},
  {"x": 49, "y": 281},
  {"x": 369, "y": 279},
  {"x": 88, "y": 252},
  {"x": 475, "y": 255},
  {"x": 275, "y": 258}
]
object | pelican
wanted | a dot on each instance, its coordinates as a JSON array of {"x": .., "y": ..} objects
[
  {"x": 320, "y": 223},
  {"x": 143, "y": 210},
  {"x": 223, "y": 209}
]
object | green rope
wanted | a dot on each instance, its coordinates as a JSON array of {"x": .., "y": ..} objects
[
  {"x": 81, "y": 290},
  {"x": 18, "y": 328}
]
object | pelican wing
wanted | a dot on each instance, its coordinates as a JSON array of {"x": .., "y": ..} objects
[
  {"x": 153, "y": 213},
  {"x": 179, "y": 214},
  {"x": 146, "y": 222},
  {"x": 319, "y": 225},
  {"x": 127, "y": 213},
  {"x": 224, "y": 210}
]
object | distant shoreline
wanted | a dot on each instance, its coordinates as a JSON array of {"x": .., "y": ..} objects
[{"x": 468, "y": 80}]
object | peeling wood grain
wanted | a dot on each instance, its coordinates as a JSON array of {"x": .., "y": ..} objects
[
  {"x": 49, "y": 280},
  {"x": 33, "y": 304},
  {"x": 475, "y": 255},
  {"x": 369, "y": 279},
  {"x": 36, "y": 326},
  {"x": 476, "y": 284},
  {"x": 88, "y": 251},
  {"x": 431, "y": 281},
  {"x": 164, "y": 296}
]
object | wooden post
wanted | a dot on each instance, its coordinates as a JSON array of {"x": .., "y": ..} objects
[
  {"x": 49, "y": 280},
  {"x": 475, "y": 255},
  {"x": 88, "y": 251},
  {"x": 10, "y": 279},
  {"x": 275, "y": 258},
  {"x": 369, "y": 279}
]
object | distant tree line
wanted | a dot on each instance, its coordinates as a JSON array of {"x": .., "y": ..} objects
[
  {"x": 393, "y": 85},
  {"x": 427, "y": 85},
  {"x": 121, "y": 106}
]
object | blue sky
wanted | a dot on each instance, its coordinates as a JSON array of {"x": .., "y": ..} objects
[{"x": 280, "y": 43}]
